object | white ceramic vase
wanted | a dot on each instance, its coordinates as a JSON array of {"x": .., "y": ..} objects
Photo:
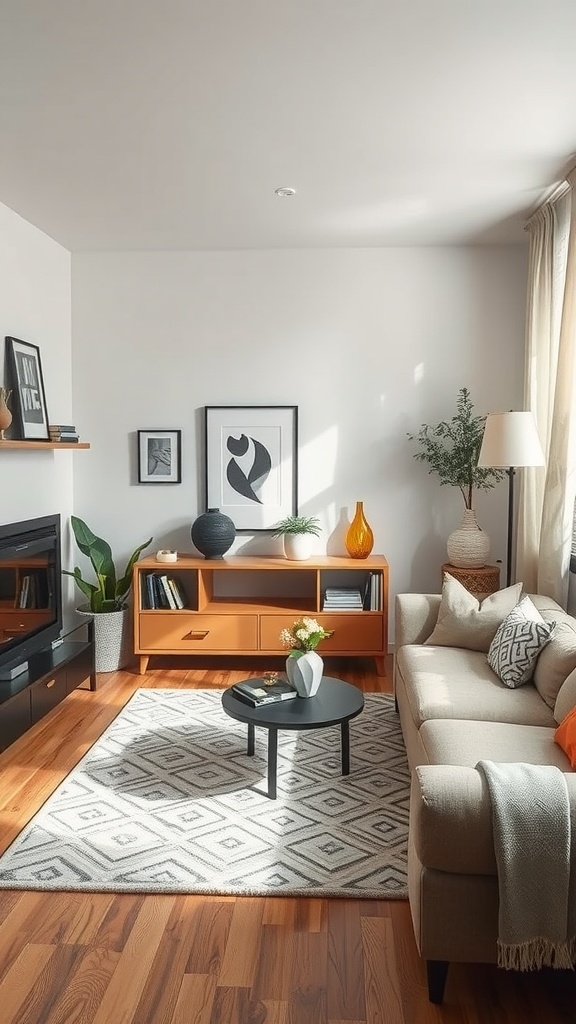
[
  {"x": 297, "y": 546},
  {"x": 304, "y": 672},
  {"x": 468, "y": 546}
]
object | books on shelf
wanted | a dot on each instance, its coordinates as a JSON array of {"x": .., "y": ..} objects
[
  {"x": 161, "y": 591},
  {"x": 253, "y": 692},
  {"x": 342, "y": 599},
  {"x": 63, "y": 432}
]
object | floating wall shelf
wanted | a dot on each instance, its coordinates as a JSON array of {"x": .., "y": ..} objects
[{"x": 43, "y": 445}]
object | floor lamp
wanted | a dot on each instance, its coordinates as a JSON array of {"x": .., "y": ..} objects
[{"x": 510, "y": 441}]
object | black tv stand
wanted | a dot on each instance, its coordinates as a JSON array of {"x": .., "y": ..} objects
[{"x": 51, "y": 675}]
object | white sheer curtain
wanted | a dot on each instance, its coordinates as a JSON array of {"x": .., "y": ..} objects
[{"x": 547, "y": 495}]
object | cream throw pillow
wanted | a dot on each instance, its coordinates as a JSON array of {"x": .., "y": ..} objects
[
  {"x": 566, "y": 699},
  {"x": 558, "y": 660},
  {"x": 464, "y": 621}
]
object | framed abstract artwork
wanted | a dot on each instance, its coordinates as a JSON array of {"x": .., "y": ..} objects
[
  {"x": 159, "y": 456},
  {"x": 25, "y": 369},
  {"x": 252, "y": 463}
]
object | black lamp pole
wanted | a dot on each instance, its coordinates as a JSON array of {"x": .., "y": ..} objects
[{"x": 511, "y": 471}]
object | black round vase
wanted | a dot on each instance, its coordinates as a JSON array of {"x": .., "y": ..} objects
[{"x": 213, "y": 533}]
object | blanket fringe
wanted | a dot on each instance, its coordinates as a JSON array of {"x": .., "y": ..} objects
[{"x": 537, "y": 953}]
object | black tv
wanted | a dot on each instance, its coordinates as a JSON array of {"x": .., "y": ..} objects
[{"x": 30, "y": 591}]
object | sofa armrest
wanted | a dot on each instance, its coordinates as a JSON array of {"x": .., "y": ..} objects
[
  {"x": 451, "y": 820},
  {"x": 415, "y": 618}
]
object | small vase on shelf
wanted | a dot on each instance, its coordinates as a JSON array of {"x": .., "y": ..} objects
[
  {"x": 304, "y": 670},
  {"x": 359, "y": 537}
]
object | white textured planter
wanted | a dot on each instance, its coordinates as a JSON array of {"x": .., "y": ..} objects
[
  {"x": 297, "y": 546},
  {"x": 468, "y": 546},
  {"x": 305, "y": 672},
  {"x": 112, "y": 638}
]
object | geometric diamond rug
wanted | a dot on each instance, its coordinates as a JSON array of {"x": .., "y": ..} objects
[{"x": 168, "y": 801}]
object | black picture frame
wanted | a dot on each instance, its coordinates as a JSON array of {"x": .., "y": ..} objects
[
  {"x": 27, "y": 383},
  {"x": 159, "y": 456},
  {"x": 251, "y": 463}
]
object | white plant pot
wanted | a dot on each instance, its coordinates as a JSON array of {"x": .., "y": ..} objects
[
  {"x": 305, "y": 672},
  {"x": 468, "y": 547},
  {"x": 297, "y": 546},
  {"x": 112, "y": 638}
]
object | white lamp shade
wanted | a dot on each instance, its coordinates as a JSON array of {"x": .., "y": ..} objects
[{"x": 510, "y": 439}]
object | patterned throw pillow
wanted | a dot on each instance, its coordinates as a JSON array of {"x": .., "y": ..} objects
[{"x": 518, "y": 642}]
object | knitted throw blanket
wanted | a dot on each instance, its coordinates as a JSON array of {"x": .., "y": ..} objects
[{"x": 535, "y": 847}]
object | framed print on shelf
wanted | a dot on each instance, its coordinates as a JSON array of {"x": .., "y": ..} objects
[
  {"x": 25, "y": 369},
  {"x": 159, "y": 456},
  {"x": 252, "y": 463}
]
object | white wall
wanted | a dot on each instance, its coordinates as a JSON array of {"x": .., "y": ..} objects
[
  {"x": 367, "y": 343},
  {"x": 35, "y": 307}
]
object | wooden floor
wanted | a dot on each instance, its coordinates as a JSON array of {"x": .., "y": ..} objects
[{"x": 106, "y": 959}]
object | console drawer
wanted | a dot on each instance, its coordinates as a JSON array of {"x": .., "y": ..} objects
[
  {"x": 47, "y": 694},
  {"x": 358, "y": 631},
  {"x": 169, "y": 632}
]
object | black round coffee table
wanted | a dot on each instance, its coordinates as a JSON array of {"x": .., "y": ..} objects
[{"x": 335, "y": 703}]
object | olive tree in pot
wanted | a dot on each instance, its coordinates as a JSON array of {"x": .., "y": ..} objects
[
  {"x": 107, "y": 597},
  {"x": 451, "y": 451}
]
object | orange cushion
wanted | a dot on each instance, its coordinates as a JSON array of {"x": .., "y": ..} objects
[{"x": 565, "y": 736}]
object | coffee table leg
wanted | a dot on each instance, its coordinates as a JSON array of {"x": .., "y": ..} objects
[
  {"x": 272, "y": 762},
  {"x": 344, "y": 728},
  {"x": 250, "y": 750}
]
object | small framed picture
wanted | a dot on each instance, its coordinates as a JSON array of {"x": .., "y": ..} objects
[
  {"x": 252, "y": 463},
  {"x": 159, "y": 456},
  {"x": 25, "y": 369}
]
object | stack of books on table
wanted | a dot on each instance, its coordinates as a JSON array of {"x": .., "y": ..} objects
[
  {"x": 63, "y": 432},
  {"x": 339, "y": 599},
  {"x": 255, "y": 693}
]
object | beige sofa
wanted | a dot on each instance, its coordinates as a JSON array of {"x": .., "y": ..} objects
[{"x": 455, "y": 712}]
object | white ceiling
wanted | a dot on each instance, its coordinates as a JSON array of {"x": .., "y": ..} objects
[{"x": 168, "y": 124}]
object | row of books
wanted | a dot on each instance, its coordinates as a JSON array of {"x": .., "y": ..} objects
[
  {"x": 162, "y": 591},
  {"x": 63, "y": 432},
  {"x": 256, "y": 693},
  {"x": 33, "y": 591},
  {"x": 369, "y": 599}
]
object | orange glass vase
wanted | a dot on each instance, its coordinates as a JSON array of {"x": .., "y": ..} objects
[{"x": 359, "y": 537}]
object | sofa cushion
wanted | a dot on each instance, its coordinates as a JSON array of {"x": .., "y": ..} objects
[
  {"x": 446, "y": 682},
  {"x": 566, "y": 699},
  {"x": 558, "y": 660},
  {"x": 466, "y": 743},
  {"x": 518, "y": 641},
  {"x": 565, "y": 736},
  {"x": 464, "y": 621}
]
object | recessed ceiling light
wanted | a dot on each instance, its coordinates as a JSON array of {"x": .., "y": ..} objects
[{"x": 285, "y": 191}]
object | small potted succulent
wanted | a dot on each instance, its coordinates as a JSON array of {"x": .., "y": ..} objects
[{"x": 297, "y": 533}]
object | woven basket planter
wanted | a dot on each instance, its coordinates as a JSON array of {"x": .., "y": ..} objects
[{"x": 112, "y": 638}]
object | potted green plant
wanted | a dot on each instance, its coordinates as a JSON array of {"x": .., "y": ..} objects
[
  {"x": 297, "y": 533},
  {"x": 451, "y": 450},
  {"x": 107, "y": 597}
]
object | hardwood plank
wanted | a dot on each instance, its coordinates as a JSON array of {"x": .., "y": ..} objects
[
  {"x": 236, "y": 1006},
  {"x": 411, "y": 970},
  {"x": 135, "y": 962},
  {"x": 87, "y": 920},
  {"x": 195, "y": 999},
  {"x": 45, "y": 990},
  {"x": 272, "y": 979},
  {"x": 308, "y": 978},
  {"x": 15, "y": 986},
  {"x": 211, "y": 926},
  {"x": 80, "y": 998},
  {"x": 383, "y": 1002},
  {"x": 243, "y": 944},
  {"x": 346, "y": 976},
  {"x": 118, "y": 921}
]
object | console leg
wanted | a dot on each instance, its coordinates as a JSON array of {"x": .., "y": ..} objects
[
  {"x": 437, "y": 971},
  {"x": 144, "y": 659},
  {"x": 380, "y": 666}
]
